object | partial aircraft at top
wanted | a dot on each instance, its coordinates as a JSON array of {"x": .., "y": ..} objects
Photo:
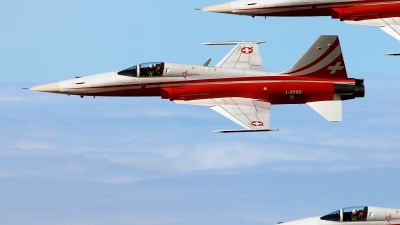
[
  {"x": 361, "y": 215},
  {"x": 237, "y": 87},
  {"x": 380, "y": 13}
]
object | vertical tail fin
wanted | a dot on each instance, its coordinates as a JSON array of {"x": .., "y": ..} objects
[{"x": 323, "y": 59}]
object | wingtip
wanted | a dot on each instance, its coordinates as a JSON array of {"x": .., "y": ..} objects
[
  {"x": 244, "y": 131},
  {"x": 233, "y": 42},
  {"x": 392, "y": 54}
]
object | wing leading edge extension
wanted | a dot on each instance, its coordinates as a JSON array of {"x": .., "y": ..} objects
[{"x": 253, "y": 115}]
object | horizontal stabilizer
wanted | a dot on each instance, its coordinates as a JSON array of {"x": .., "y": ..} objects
[
  {"x": 244, "y": 131},
  {"x": 330, "y": 110}
]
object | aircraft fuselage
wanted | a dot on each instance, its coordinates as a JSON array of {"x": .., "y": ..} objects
[
  {"x": 237, "y": 87},
  {"x": 343, "y": 10},
  {"x": 359, "y": 215},
  {"x": 190, "y": 82}
]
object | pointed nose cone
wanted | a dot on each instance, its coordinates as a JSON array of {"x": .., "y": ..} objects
[
  {"x": 53, "y": 87},
  {"x": 221, "y": 8}
]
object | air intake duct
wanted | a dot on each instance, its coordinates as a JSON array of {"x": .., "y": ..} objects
[{"x": 347, "y": 92}]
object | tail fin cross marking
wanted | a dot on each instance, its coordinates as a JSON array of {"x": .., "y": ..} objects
[
  {"x": 247, "y": 50},
  {"x": 335, "y": 68}
]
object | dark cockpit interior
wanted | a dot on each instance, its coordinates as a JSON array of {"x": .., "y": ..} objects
[
  {"x": 350, "y": 214},
  {"x": 355, "y": 213},
  {"x": 151, "y": 69}
]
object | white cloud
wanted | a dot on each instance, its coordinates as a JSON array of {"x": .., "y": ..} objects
[
  {"x": 46, "y": 134},
  {"x": 59, "y": 222},
  {"x": 83, "y": 150},
  {"x": 382, "y": 165},
  {"x": 121, "y": 180},
  {"x": 6, "y": 174},
  {"x": 383, "y": 156},
  {"x": 27, "y": 148},
  {"x": 153, "y": 220},
  {"x": 157, "y": 113},
  {"x": 72, "y": 168},
  {"x": 387, "y": 121},
  {"x": 200, "y": 213},
  {"x": 342, "y": 168},
  {"x": 186, "y": 158},
  {"x": 362, "y": 143},
  {"x": 10, "y": 99},
  {"x": 298, "y": 168},
  {"x": 34, "y": 145}
]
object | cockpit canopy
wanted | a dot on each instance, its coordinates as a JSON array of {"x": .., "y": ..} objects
[
  {"x": 350, "y": 214},
  {"x": 333, "y": 216},
  {"x": 151, "y": 69}
]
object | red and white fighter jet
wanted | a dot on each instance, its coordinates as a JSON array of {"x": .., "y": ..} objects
[
  {"x": 380, "y": 13},
  {"x": 364, "y": 215},
  {"x": 237, "y": 87}
]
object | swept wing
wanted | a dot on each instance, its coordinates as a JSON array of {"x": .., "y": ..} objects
[
  {"x": 389, "y": 25},
  {"x": 252, "y": 114},
  {"x": 245, "y": 55}
]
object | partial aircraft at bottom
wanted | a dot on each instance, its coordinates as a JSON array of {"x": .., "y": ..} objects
[
  {"x": 237, "y": 87},
  {"x": 361, "y": 215}
]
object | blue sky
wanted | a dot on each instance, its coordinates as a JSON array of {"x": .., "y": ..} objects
[{"x": 145, "y": 161}]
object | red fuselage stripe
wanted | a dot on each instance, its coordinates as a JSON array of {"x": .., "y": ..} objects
[
  {"x": 223, "y": 81},
  {"x": 330, "y": 5}
]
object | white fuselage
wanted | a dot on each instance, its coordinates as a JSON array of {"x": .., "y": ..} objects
[
  {"x": 374, "y": 216},
  {"x": 291, "y": 7}
]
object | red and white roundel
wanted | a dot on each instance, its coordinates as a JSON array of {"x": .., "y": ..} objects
[
  {"x": 257, "y": 124},
  {"x": 247, "y": 50}
]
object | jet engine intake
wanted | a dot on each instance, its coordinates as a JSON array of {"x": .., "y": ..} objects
[
  {"x": 350, "y": 91},
  {"x": 357, "y": 13},
  {"x": 165, "y": 94}
]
